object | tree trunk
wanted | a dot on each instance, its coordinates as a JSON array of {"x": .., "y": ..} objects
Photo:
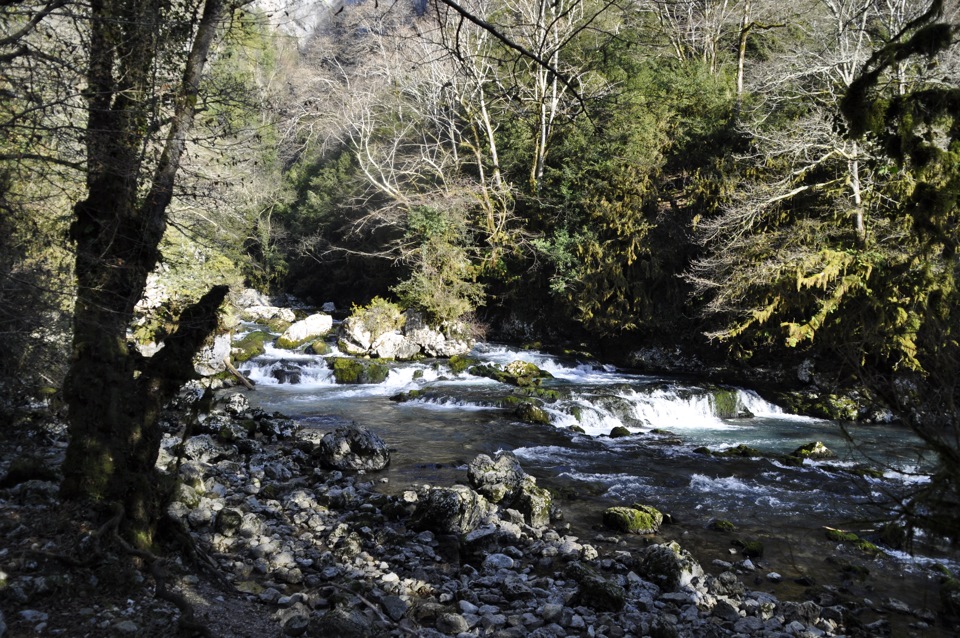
[{"x": 114, "y": 395}]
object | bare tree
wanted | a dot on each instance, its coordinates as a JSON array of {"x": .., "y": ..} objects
[{"x": 803, "y": 172}]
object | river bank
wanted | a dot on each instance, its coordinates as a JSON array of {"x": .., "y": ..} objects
[{"x": 281, "y": 546}]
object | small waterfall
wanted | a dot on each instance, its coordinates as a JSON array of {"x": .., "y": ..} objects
[
  {"x": 301, "y": 370},
  {"x": 672, "y": 409}
]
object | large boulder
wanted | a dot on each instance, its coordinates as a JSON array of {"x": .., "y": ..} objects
[
  {"x": 433, "y": 341},
  {"x": 354, "y": 337},
  {"x": 305, "y": 331},
  {"x": 353, "y": 448},
  {"x": 450, "y": 510},
  {"x": 394, "y": 345},
  {"x": 212, "y": 358},
  {"x": 250, "y": 345},
  {"x": 357, "y": 371},
  {"x": 268, "y": 315},
  {"x": 380, "y": 330},
  {"x": 669, "y": 566},
  {"x": 504, "y": 482}
]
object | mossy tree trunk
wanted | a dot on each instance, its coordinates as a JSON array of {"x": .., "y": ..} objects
[{"x": 114, "y": 395}]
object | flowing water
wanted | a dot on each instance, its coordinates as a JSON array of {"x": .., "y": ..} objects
[{"x": 459, "y": 415}]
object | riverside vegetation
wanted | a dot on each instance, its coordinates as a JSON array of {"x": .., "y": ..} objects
[{"x": 743, "y": 191}]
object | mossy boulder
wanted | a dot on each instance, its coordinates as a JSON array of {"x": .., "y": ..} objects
[
  {"x": 319, "y": 347},
  {"x": 250, "y": 345},
  {"x": 740, "y": 451},
  {"x": 950, "y": 596},
  {"x": 530, "y": 412},
  {"x": 619, "y": 432},
  {"x": 460, "y": 363},
  {"x": 840, "y": 536},
  {"x": 522, "y": 374},
  {"x": 356, "y": 371},
  {"x": 639, "y": 519},
  {"x": 814, "y": 450},
  {"x": 835, "y": 407},
  {"x": 410, "y": 395},
  {"x": 503, "y": 481},
  {"x": 726, "y": 405},
  {"x": 721, "y": 525},
  {"x": 750, "y": 548}
]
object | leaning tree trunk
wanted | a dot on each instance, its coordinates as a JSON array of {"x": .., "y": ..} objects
[{"x": 114, "y": 395}]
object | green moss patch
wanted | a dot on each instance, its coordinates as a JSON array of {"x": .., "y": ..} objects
[
  {"x": 250, "y": 345},
  {"x": 530, "y": 412},
  {"x": 355, "y": 371},
  {"x": 721, "y": 525},
  {"x": 639, "y": 519}
]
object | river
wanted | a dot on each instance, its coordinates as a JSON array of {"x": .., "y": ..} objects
[{"x": 458, "y": 416}]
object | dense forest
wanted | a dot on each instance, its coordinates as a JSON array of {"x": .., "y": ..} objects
[{"x": 755, "y": 181}]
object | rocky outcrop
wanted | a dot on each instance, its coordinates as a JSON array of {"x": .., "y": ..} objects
[
  {"x": 434, "y": 341},
  {"x": 352, "y": 448},
  {"x": 403, "y": 338}
]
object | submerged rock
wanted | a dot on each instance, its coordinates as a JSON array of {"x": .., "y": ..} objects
[
  {"x": 353, "y": 448},
  {"x": 619, "y": 432},
  {"x": 287, "y": 372},
  {"x": 814, "y": 450}
]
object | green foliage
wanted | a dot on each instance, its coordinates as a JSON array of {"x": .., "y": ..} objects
[
  {"x": 379, "y": 316},
  {"x": 36, "y": 282},
  {"x": 443, "y": 279}
]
